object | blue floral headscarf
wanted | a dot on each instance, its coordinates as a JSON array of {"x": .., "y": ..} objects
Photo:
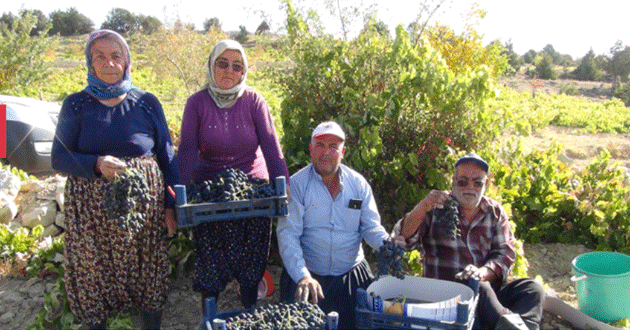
[{"x": 98, "y": 88}]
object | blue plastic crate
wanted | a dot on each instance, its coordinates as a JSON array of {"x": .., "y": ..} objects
[
  {"x": 189, "y": 215},
  {"x": 367, "y": 319},
  {"x": 216, "y": 321}
]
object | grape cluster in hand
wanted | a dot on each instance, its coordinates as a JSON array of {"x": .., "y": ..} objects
[
  {"x": 390, "y": 260},
  {"x": 295, "y": 316},
  {"x": 448, "y": 216},
  {"x": 123, "y": 195},
  {"x": 229, "y": 185}
]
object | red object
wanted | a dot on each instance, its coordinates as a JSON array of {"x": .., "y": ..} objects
[
  {"x": 170, "y": 190},
  {"x": 3, "y": 131},
  {"x": 265, "y": 287}
]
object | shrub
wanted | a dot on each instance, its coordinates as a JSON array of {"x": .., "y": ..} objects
[
  {"x": 401, "y": 106},
  {"x": 22, "y": 57},
  {"x": 568, "y": 89},
  {"x": 551, "y": 202},
  {"x": 622, "y": 92}
]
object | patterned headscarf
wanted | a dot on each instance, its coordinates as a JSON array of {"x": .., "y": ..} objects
[
  {"x": 98, "y": 88},
  {"x": 225, "y": 98}
]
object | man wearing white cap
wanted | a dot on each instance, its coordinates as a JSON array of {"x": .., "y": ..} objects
[{"x": 332, "y": 209}]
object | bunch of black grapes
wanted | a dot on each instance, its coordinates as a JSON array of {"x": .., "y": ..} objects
[
  {"x": 389, "y": 260},
  {"x": 123, "y": 196},
  {"x": 229, "y": 185},
  {"x": 448, "y": 216},
  {"x": 298, "y": 315}
]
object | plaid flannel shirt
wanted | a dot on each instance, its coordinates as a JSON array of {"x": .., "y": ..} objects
[{"x": 487, "y": 241}]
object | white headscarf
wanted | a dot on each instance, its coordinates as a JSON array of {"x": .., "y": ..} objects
[{"x": 225, "y": 98}]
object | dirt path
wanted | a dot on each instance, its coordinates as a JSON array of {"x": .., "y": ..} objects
[{"x": 581, "y": 148}]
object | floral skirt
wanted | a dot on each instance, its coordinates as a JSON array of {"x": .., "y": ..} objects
[
  {"x": 108, "y": 269},
  {"x": 231, "y": 249}
]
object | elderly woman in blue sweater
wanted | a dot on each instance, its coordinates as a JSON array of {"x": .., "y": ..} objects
[{"x": 109, "y": 127}]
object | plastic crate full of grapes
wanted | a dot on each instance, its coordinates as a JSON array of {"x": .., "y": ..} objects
[
  {"x": 294, "y": 316},
  {"x": 230, "y": 195}
]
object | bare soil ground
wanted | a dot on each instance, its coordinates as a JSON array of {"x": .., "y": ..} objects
[{"x": 579, "y": 147}]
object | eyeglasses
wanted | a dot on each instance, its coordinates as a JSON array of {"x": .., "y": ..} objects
[
  {"x": 224, "y": 65},
  {"x": 464, "y": 183}
]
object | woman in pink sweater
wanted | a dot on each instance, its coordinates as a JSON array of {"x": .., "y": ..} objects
[{"x": 228, "y": 125}]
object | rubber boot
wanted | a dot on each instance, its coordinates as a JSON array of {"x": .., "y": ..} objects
[
  {"x": 151, "y": 320},
  {"x": 100, "y": 325}
]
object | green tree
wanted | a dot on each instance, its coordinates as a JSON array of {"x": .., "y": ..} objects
[
  {"x": 262, "y": 28},
  {"x": 513, "y": 59},
  {"x": 7, "y": 20},
  {"x": 120, "y": 20},
  {"x": 42, "y": 21},
  {"x": 555, "y": 56},
  {"x": 618, "y": 64},
  {"x": 212, "y": 24},
  {"x": 70, "y": 23},
  {"x": 379, "y": 27},
  {"x": 544, "y": 67},
  {"x": 243, "y": 35},
  {"x": 587, "y": 69},
  {"x": 530, "y": 56},
  {"x": 148, "y": 24},
  {"x": 22, "y": 57}
]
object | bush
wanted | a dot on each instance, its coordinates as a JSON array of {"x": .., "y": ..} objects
[
  {"x": 22, "y": 57},
  {"x": 402, "y": 108},
  {"x": 551, "y": 202},
  {"x": 622, "y": 92},
  {"x": 568, "y": 89}
]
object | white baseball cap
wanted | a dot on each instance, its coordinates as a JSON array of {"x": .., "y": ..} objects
[{"x": 328, "y": 127}]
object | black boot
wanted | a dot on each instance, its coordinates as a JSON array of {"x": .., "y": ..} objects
[
  {"x": 151, "y": 320},
  {"x": 100, "y": 325},
  {"x": 249, "y": 296}
]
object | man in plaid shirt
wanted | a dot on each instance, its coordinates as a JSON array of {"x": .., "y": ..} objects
[{"x": 483, "y": 249}]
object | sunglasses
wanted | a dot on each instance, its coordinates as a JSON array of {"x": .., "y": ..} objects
[
  {"x": 465, "y": 183},
  {"x": 224, "y": 65}
]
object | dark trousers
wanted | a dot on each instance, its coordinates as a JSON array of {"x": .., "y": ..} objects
[
  {"x": 523, "y": 296},
  {"x": 339, "y": 292}
]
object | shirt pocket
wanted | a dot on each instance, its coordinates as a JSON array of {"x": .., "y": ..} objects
[{"x": 351, "y": 219}]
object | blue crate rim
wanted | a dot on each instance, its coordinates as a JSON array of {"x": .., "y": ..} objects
[{"x": 367, "y": 319}]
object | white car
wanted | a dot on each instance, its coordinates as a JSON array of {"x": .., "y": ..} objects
[{"x": 30, "y": 131}]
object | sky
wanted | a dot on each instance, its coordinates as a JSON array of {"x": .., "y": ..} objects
[{"x": 571, "y": 27}]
